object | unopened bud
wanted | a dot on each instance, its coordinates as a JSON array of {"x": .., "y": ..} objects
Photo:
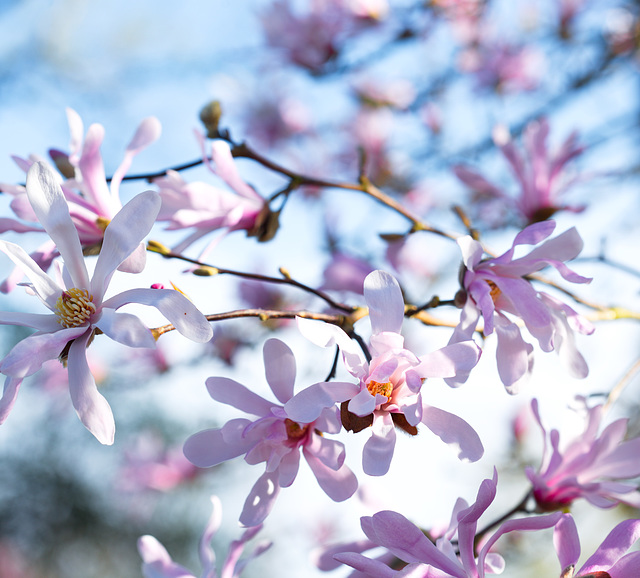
[
  {"x": 210, "y": 115},
  {"x": 266, "y": 224},
  {"x": 61, "y": 160},
  {"x": 205, "y": 271},
  {"x": 157, "y": 247}
]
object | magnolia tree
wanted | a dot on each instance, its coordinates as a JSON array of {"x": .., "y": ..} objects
[{"x": 436, "y": 161}]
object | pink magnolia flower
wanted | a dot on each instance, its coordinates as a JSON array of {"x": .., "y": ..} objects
[
  {"x": 448, "y": 557},
  {"x": 539, "y": 174},
  {"x": 78, "y": 308},
  {"x": 590, "y": 466},
  {"x": 609, "y": 559},
  {"x": 345, "y": 273},
  {"x": 92, "y": 202},
  {"x": 206, "y": 208},
  {"x": 504, "y": 67},
  {"x": 497, "y": 288},
  {"x": 274, "y": 438},
  {"x": 158, "y": 564},
  {"x": 389, "y": 386}
]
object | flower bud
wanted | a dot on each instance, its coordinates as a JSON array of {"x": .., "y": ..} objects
[{"x": 210, "y": 115}]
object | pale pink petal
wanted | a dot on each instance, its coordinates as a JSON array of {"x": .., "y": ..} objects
[
  {"x": 363, "y": 403},
  {"x": 327, "y": 335},
  {"x": 76, "y": 130},
  {"x": 135, "y": 262},
  {"x": 46, "y": 323},
  {"x": 28, "y": 355},
  {"x": 339, "y": 484},
  {"x": 92, "y": 408},
  {"x": 157, "y": 562},
  {"x": 207, "y": 555},
  {"x": 225, "y": 168},
  {"x": 280, "y": 369},
  {"x": 365, "y": 565},
  {"x": 50, "y": 206},
  {"x": 514, "y": 356},
  {"x": 9, "y": 394},
  {"x": 627, "y": 567},
  {"x": 478, "y": 183},
  {"x": 288, "y": 468},
  {"x": 472, "y": 251},
  {"x": 566, "y": 541},
  {"x": 213, "y": 446},
  {"x": 183, "y": 314},
  {"x": 384, "y": 299},
  {"x": 43, "y": 285},
  {"x": 261, "y": 500},
  {"x": 614, "y": 546},
  {"x": 453, "y": 431},
  {"x": 378, "y": 450},
  {"x": 147, "y": 132},
  {"x": 307, "y": 405},
  {"x": 126, "y": 329},
  {"x": 93, "y": 175},
  {"x": 450, "y": 360},
  {"x": 232, "y": 393},
  {"x": 122, "y": 236}
]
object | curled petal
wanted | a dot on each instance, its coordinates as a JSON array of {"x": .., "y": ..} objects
[
  {"x": 454, "y": 431},
  {"x": 183, "y": 314},
  {"x": 338, "y": 484}
]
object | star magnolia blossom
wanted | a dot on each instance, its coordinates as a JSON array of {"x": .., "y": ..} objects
[
  {"x": 590, "y": 466},
  {"x": 496, "y": 287},
  {"x": 609, "y": 559},
  {"x": 158, "y": 564},
  {"x": 274, "y": 438},
  {"x": 448, "y": 557},
  {"x": 389, "y": 388},
  {"x": 78, "y": 308},
  {"x": 92, "y": 202},
  {"x": 539, "y": 173},
  {"x": 206, "y": 208}
]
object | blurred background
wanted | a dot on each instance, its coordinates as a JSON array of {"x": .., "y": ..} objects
[{"x": 418, "y": 95}]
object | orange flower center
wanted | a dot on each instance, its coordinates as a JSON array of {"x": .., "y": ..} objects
[
  {"x": 74, "y": 307},
  {"x": 376, "y": 387},
  {"x": 495, "y": 290}
]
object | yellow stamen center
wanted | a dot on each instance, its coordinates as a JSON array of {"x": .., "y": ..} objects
[
  {"x": 294, "y": 430},
  {"x": 74, "y": 307},
  {"x": 376, "y": 387},
  {"x": 495, "y": 290}
]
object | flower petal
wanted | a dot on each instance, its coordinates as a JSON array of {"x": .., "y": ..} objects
[
  {"x": 280, "y": 369},
  {"x": 211, "y": 447},
  {"x": 566, "y": 541},
  {"x": 260, "y": 500},
  {"x": 453, "y": 431},
  {"x": 338, "y": 484},
  {"x": 50, "y": 206},
  {"x": 183, "y": 314},
  {"x": 450, "y": 360},
  {"x": 126, "y": 329},
  {"x": 92, "y": 408},
  {"x": 232, "y": 393},
  {"x": 156, "y": 560},
  {"x": 378, "y": 450},
  {"x": 307, "y": 405},
  {"x": 384, "y": 299},
  {"x": 9, "y": 394}
]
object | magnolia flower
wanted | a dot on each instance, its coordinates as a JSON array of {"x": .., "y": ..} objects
[
  {"x": 389, "y": 386},
  {"x": 206, "y": 208},
  {"x": 590, "y": 466},
  {"x": 158, "y": 564},
  {"x": 274, "y": 438},
  {"x": 78, "y": 308},
  {"x": 539, "y": 174},
  {"x": 493, "y": 288},
  {"x": 92, "y": 202},
  {"x": 609, "y": 559},
  {"x": 448, "y": 557}
]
